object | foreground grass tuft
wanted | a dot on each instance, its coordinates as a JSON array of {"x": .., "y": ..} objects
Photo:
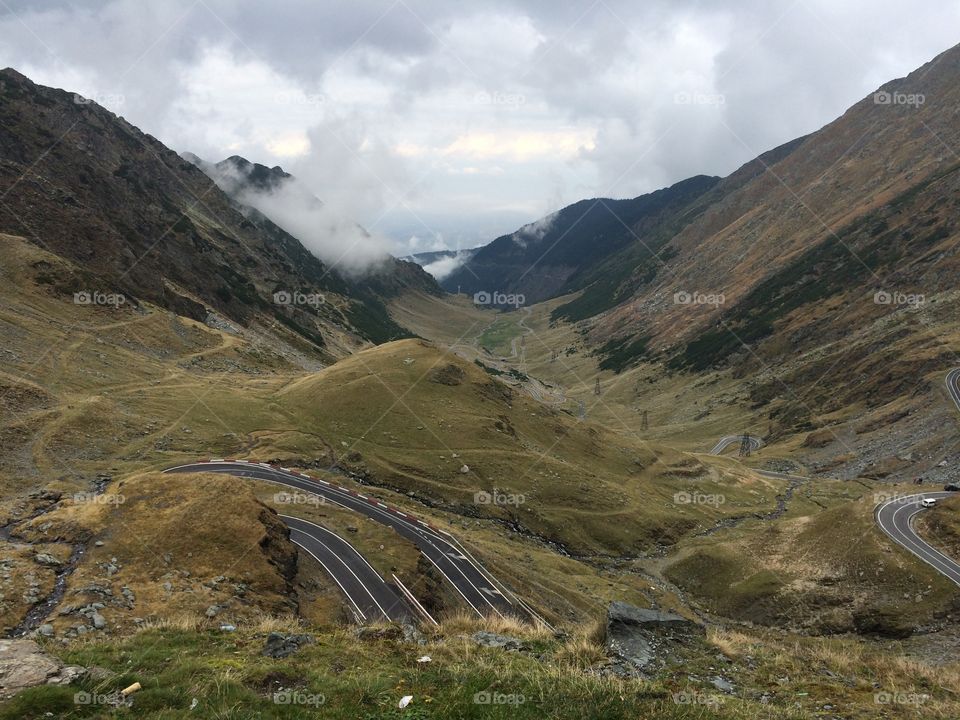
[{"x": 224, "y": 675}]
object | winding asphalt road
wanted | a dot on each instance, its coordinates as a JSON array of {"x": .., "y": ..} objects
[
  {"x": 725, "y": 442},
  {"x": 953, "y": 385},
  {"x": 895, "y": 516},
  {"x": 370, "y": 597},
  {"x": 367, "y": 591}
]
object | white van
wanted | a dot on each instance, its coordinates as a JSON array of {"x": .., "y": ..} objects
[{"x": 928, "y": 502}]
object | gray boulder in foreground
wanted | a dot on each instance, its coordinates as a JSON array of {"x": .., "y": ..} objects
[
  {"x": 280, "y": 645},
  {"x": 640, "y": 639},
  {"x": 495, "y": 640},
  {"x": 24, "y": 664}
]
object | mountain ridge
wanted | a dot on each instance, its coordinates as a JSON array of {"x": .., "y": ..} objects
[
  {"x": 543, "y": 259},
  {"x": 84, "y": 183}
]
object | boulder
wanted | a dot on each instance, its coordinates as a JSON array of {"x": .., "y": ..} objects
[
  {"x": 46, "y": 559},
  {"x": 495, "y": 640},
  {"x": 67, "y": 675},
  {"x": 280, "y": 645},
  {"x": 412, "y": 635},
  {"x": 23, "y": 664},
  {"x": 721, "y": 684},
  {"x": 639, "y": 639}
]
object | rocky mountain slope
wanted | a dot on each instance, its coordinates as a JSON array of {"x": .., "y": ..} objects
[
  {"x": 863, "y": 206},
  {"x": 566, "y": 251},
  {"x": 84, "y": 184},
  {"x": 244, "y": 182}
]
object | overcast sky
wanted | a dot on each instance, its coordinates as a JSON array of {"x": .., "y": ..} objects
[{"x": 441, "y": 123}]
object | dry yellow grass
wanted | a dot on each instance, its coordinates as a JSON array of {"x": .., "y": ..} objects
[
  {"x": 463, "y": 621},
  {"x": 178, "y": 545}
]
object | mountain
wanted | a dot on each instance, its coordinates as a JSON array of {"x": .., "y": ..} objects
[
  {"x": 249, "y": 184},
  {"x": 83, "y": 183},
  {"x": 562, "y": 252},
  {"x": 239, "y": 178},
  {"x": 812, "y": 257},
  {"x": 851, "y": 217},
  {"x": 254, "y": 175}
]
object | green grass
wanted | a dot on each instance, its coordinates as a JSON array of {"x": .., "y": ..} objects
[
  {"x": 342, "y": 677},
  {"x": 497, "y": 337},
  {"x": 719, "y": 575},
  {"x": 824, "y": 565}
]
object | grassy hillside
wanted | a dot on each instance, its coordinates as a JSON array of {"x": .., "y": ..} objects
[
  {"x": 823, "y": 565},
  {"x": 122, "y": 391},
  {"x": 867, "y": 403},
  {"x": 339, "y": 675},
  {"x": 425, "y": 415},
  {"x": 141, "y": 564},
  {"x": 93, "y": 390}
]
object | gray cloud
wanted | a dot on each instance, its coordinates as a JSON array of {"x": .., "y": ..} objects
[{"x": 406, "y": 114}]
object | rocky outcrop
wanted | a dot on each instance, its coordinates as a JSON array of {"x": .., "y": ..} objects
[
  {"x": 280, "y": 645},
  {"x": 495, "y": 640},
  {"x": 639, "y": 640},
  {"x": 23, "y": 664}
]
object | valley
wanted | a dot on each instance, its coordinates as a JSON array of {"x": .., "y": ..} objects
[{"x": 220, "y": 395}]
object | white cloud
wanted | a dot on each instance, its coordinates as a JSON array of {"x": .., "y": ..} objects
[
  {"x": 324, "y": 229},
  {"x": 520, "y": 146},
  {"x": 427, "y": 113},
  {"x": 445, "y": 266}
]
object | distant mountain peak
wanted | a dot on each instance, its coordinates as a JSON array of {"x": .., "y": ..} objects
[
  {"x": 563, "y": 251},
  {"x": 257, "y": 177},
  {"x": 9, "y": 72}
]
